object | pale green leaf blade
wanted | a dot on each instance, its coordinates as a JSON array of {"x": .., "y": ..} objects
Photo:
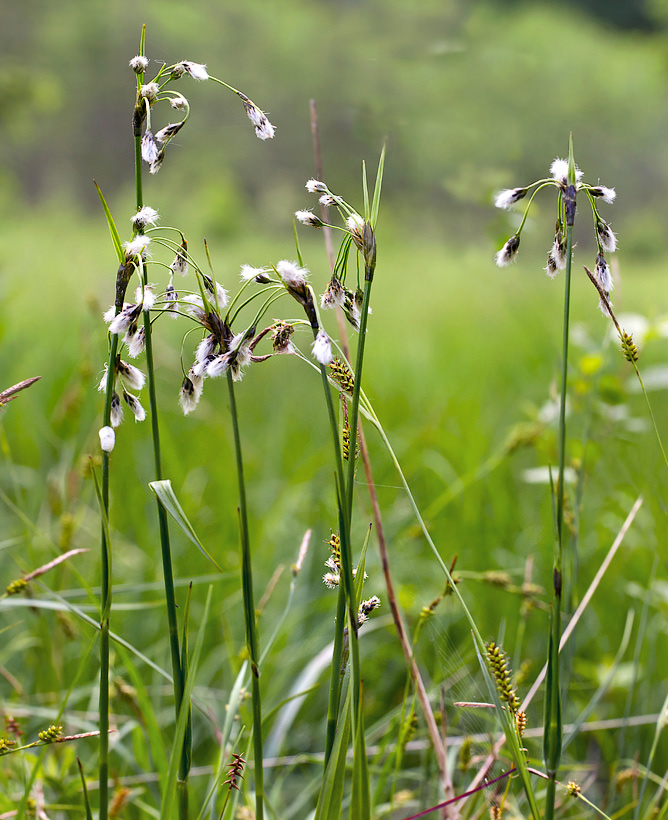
[
  {"x": 377, "y": 189},
  {"x": 115, "y": 236},
  {"x": 331, "y": 793},
  {"x": 166, "y": 496}
]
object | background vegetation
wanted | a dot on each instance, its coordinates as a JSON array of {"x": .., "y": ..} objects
[{"x": 472, "y": 97}]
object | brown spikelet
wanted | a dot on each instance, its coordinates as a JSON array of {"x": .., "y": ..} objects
[
  {"x": 119, "y": 801},
  {"x": 346, "y": 440},
  {"x": 235, "y": 770},
  {"x": 573, "y": 788},
  {"x": 335, "y": 548},
  {"x": 629, "y": 348},
  {"x": 521, "y": 722},
  {"x": 500, "y": 669},
  {"x": 342, "y": 375},
  {"x": 495, "y": 812},
  {"x": 623, "y": 777}
]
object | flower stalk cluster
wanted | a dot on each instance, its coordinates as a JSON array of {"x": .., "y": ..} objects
[
  {"x": 130, "y": 328},
  {"x": 557, "y": 257}
]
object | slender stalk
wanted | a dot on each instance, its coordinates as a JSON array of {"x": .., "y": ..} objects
[
  {"x": 339, "y": 624},
  {"x": 553, "y": 728},
  {"x": 165, "y": 546},
  {"x": 249, "y": 608},
  {"x": 105, "y": 592}
]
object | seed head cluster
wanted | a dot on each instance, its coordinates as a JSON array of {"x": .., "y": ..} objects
[{"x": 557, "y": 258}]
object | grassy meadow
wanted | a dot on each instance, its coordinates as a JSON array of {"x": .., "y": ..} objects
[{"x": 463, "y": 367}]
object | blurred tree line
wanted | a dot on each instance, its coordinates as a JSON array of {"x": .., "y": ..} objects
[{"x": 472, "y": 96}]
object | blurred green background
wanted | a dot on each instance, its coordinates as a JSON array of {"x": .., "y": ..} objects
[{"x": 472, "y": 97}]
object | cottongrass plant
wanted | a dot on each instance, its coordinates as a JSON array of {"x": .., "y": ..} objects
[
  {"x": 568, "y": 180},
  {"x": 232, "y": 333},
  {"x": 124, "y": 379}
]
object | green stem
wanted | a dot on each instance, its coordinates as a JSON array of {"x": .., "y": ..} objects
[
  {"x": 163, "y": 525},
  {"x": 339, "y": 623},
  {"x": 562, "y": 404},
  {"x": 651, "y": 414},
  {"x": 249, "y": 608},
  {"x": 105, "y": 593},
  {"x": 552, "y": 727}
]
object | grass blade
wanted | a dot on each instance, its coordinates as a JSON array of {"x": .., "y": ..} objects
[
  {"x": 375, "y": 204},
  {"x": 166, "y": 496},
  {"x": 184, "y": 715},
  {"x": 360, "y": 804},
  {"x": 89, "y": 814},
  {"x": 331, "y": 793},
  {"x": 115, "y": 236}
]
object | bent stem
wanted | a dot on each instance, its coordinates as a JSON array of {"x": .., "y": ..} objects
[{"x": 249, "y": 608}]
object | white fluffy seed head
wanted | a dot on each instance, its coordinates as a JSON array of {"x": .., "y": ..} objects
[
  {"x": 322, "y": 348},
  {"x": 559, "y": 171},
  {"x": 144, "y": 217},
  {"x": 107, "y": 439},
  {"x": 196, "y": 70},
  {"x": 504, "y": 199},
  {"x": 136, "y": 246},
  {"x": 139, "y": 64},
  {"x": 291, "y": 273},
  {"x": 314, "y": 186}
]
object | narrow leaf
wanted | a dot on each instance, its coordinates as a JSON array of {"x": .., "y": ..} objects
[
  {"x": 89, "y": 814},
  {"x": 331, "y": 793},
  {"x": 115, "y": 236},
  {"x": 145, "y": 704},
  {"x": 365, "y": 190},
  {"x": 360, "y": 804},
  {"x": 359, "y": 574},
  {"x": 188, "y": 739},
  {"x": 184, "y": 717},
  {"x": 552, "y": 717},
  {"x": 165, "y": 494},
  {"x": 377, "y": 189}
]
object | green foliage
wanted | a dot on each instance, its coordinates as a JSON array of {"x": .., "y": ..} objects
[{"x": 461, "y": 367}]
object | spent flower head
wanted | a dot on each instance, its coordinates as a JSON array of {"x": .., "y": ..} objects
[
  {"x": 291, "y": 274},
  {"x": 322, "y": 347},
  {"x": 149, "y": 149},
  {"x": 315, "y": 186},
  {"x": 607, "y": 239},
  {"x": 607, "y": 194},
  {"x": 559, "y": 171},
  {"x": 504, "y": 199},
  {"x": 248, "y": 272},
  {"x": 508, "y": 252},
  {"x": 309, "y": 218},
  {"x": 136, "y": 246},
  {"x": 145, "y": 217},
  {"x": 107, "y": 439},
  {"x": 139, "y": 64},
  {"x": 264, "y": 130},
  {"x": 149, "y": 91},
  {"x": 196, "y": 70}
]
